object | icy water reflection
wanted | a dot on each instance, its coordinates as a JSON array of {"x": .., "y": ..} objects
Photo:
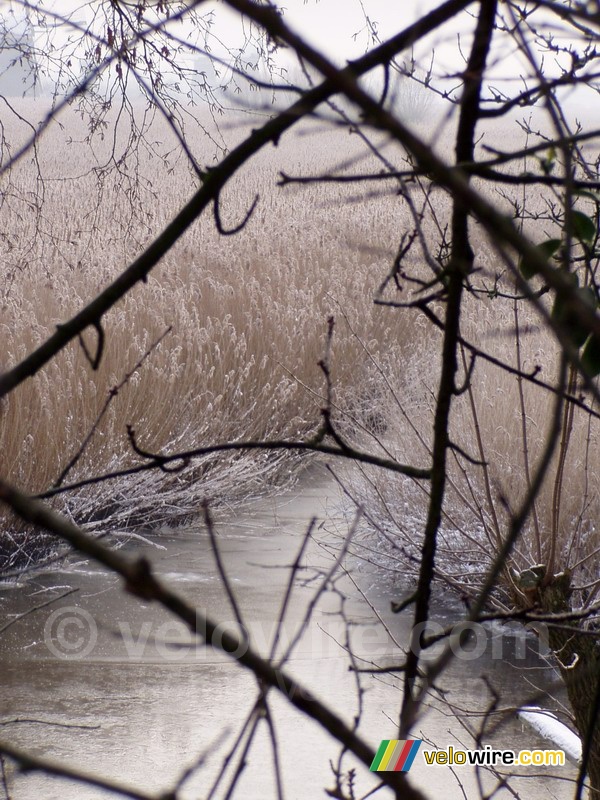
[{"x": 121, "y": 691}]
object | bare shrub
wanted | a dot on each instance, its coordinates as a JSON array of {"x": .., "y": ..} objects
[{"x": 498, "y": 429}]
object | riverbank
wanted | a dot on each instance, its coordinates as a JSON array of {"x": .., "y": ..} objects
[{"x": 121, "y": 690}]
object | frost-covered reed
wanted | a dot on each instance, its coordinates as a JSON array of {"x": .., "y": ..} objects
[{"x": 248, "y": 316}]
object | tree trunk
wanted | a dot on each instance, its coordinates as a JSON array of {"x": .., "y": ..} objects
[{"x": 578, "y": 657}]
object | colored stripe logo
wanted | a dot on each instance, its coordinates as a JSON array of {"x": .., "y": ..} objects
[{"x": 395, "y": 755}]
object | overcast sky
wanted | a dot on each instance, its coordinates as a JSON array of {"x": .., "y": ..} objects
[
  {"x": 332, "y": 24},
  {"x": 338, "y": 27},
  {"x": 339, "y": 30}
]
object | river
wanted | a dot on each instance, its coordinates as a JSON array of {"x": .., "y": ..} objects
[{"x": 106, "y": 684}]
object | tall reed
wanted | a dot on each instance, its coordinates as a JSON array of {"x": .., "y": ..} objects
[{"x": 247, "y": 315}]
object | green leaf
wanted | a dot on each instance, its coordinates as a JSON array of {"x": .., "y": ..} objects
[
  {"x": 546, "y": 249},
  {"x": 590, "y": 357},
  {"x": 592, "y": 195},
  {"x": 570, "y": 319},
  {"x": 584, "y": 227},
  {"x": 549, "y": 161}
]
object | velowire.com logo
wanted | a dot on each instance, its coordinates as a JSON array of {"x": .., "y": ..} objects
[{"x": 395, "y": 755}]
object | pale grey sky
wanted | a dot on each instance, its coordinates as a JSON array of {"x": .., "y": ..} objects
[{"x": 338, "y": 29}]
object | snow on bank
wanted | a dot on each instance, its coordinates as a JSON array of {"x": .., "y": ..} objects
[{"x": 547, "y": 725}]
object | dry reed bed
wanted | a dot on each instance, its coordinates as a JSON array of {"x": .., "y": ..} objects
[{"x": 248, "y": 316}]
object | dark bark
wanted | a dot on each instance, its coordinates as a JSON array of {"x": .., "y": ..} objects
[
  {"x": 578, "y": 656},
  {"x": 459, "y": 266}
]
